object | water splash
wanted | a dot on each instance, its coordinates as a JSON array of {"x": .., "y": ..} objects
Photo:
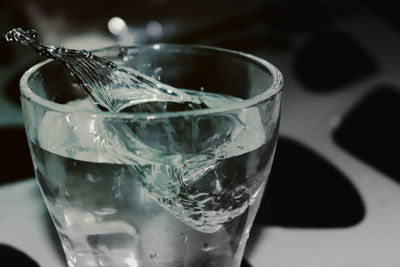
[{"x": 112, "y": 87}]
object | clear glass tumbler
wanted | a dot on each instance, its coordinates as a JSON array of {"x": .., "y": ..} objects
[{"x": 179, "y": 188}]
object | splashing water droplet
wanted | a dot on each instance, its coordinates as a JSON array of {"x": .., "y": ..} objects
[
  {"x": 112, "y": 87},
  {"x": 154, "y": 257}
]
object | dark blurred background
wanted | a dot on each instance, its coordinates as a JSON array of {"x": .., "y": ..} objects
[{"x": 233, "y": 24}]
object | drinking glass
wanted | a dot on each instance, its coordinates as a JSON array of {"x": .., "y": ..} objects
[{"x": 151, "y": 188}]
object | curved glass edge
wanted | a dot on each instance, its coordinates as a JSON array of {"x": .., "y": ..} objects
[{"x": 270, "y": 92}]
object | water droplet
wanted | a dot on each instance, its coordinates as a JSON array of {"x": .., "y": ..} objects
[
  {"x": 105, "y": 211},
  {"x": 206, "y": 247},
  {"x": 184, "y": 237},
  {"x": 117, "y": 26},
  {"x": 92, "y": 178},
  {"x": 88, "y": 218},
  {"x": 154, "y": 257},
  {"x": 154, "y": 29}
]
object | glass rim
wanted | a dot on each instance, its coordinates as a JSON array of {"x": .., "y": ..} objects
[{"x": 271, "y": 91}]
